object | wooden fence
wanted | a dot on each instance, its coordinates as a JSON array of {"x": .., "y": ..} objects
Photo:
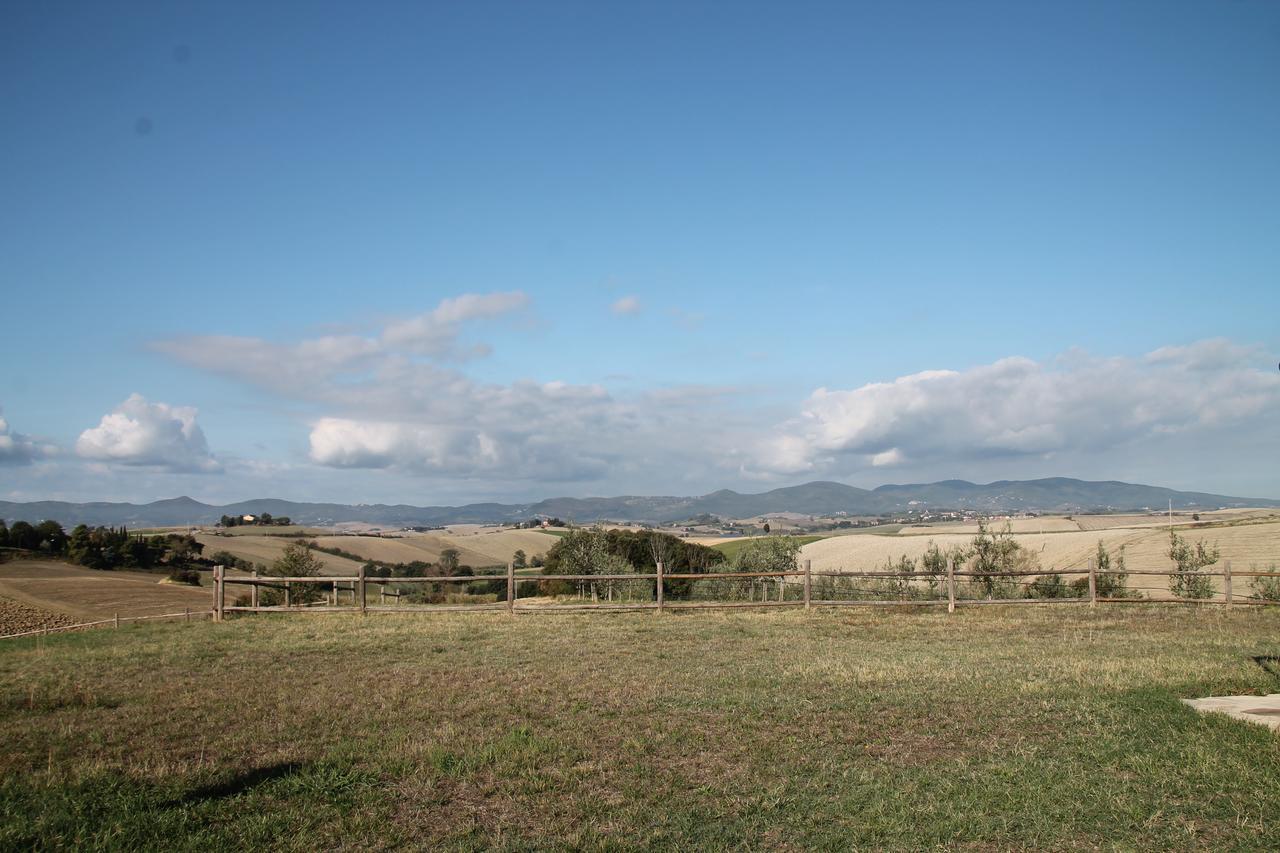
[
  {"x": 807, "y": 588},
  {"x": 116, "y": 621},
  {"x": 943, "y": 590}
]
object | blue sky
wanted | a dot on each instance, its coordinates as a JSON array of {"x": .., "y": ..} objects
[{"x": 432, "y": 253}]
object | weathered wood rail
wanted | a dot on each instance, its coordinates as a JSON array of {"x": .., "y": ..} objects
[{"x": 946, "y": 593}]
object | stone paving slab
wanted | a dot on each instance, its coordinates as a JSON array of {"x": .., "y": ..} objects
[{"x": 1252, "y": 709}]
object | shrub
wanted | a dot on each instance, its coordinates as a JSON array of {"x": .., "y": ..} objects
[
  {"x": 1111, "y": 576},
  {"x": 296, "y": 560},
  {"x": 1051, "y": 586},
  {"x": 768, "y": 554},
  {"x": 187, "y": 576},
  {"x": 1190, "y": 560},
  {"x": 1268, "y": 589},
  {"x": 998, "y": 555}
]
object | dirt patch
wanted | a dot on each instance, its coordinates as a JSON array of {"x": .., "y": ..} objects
[{"x": 16, "y": 617}]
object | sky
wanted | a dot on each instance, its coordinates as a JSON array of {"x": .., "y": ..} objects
[{"x": 436, "y": 253}]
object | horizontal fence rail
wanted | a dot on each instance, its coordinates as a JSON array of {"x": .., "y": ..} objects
[
  {"x": 115, "y": 621},
  {"x": 941, "y": 588}
]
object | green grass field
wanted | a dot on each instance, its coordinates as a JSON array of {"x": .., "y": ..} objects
[{"x": 992, "y": 728}]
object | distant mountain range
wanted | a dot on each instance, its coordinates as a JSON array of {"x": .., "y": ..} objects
[{"x": 1056, "y": 494}]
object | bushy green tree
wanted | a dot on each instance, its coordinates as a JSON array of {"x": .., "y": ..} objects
[
  {"x": 1266, "y": 588},
  {"x": 296, "y": 561},
  {"x": 999, "y": 556},
  {"x": 1110, "y": 579},
  {"x": 768, "y": 554},
  {"x": 1191, "y": 559},
  {"x": 23, "y": 535}
]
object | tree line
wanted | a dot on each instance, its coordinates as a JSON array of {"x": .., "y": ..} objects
[
  {"x": 108, "y": 548},
  {"x": 265, "y": 519}
]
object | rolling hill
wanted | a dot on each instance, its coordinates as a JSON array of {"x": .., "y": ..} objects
[{"x": 1056, "y": 494}]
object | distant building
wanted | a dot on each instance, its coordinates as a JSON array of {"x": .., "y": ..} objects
[{"x": 248, "y": 519}]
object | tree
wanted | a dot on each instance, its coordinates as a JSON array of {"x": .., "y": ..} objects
[
  {"x": 4, "y": 534},
  {"x": 768, "y": 554},
  {"x": 23, "y": 535},
  {"x": 519, "y": 560},
  {"x": 935, "y": 561},
  {"x": 297, "y": 561},
  {"x": 52, "y": 537},
  {"x": 998, "y": 556},
  {"x": 1190, "y": 560},
  {"x": 449, "y": 561},
  {"x": 584, "y": 552},
  {"x": 766, "y": 527},
  {"x": 1109, "y": 581}
]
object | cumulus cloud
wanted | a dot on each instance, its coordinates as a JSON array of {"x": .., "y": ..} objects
[
  {"x": 627, "y": 305},
  {"x": 19, "y": 449},
  {"x": 1019, "y": 407},
  {"x": 149, "y": 434}
]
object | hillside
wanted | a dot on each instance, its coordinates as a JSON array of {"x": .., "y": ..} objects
[{"x": 1056, "y": 494}]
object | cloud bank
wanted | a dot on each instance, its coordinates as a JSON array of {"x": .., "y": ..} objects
[
  {"x": 1017, "y": 407},
  {"x": 397, "y": 400}
]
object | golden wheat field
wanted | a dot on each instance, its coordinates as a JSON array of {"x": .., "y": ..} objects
[
  {"x": 1047, "y": 524},
  {"x": 1248, "y": 545},
  {"x": 478, "y": 547},
  {"x": 267, "y": 549}
]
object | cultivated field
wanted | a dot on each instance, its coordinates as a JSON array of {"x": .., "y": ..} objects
[
  {"x": 478, "y": 547},
  {"x": 267, "y": 549},
  {"x": 89, "y": 594},
  {"x": 997, "y": 728},
  {"x": 1247, "y": 540}
]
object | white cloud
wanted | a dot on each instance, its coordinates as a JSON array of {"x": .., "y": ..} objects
[
  {"x": 435, "y": 333},
  {"x": 627, "y": 305},
  {"x": 1017, "y": 407},
  {"x": 149, "y": 434},
  {"x": 19, "y": 449}
]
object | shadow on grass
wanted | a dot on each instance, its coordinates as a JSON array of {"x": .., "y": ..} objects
[
  {"x": 240, "y": 783},
  {"x": 1269, "y": 664}
]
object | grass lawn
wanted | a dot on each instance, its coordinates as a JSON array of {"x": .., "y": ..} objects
[{"x": 993, "y": 728}]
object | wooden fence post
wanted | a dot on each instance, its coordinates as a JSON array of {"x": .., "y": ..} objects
[
  {"x": 1226, "y": 582},
  {"x": 659, "y": 587},
  {"x": 808, "y": 583},
  {"x": 1093, "y": 584},
  {"x": 288, "y": 597},
  {"x": 254, "y": 598},
  {"x": 951, "y": 585},
  {"x": 511, "y": 587},
  {"x": 187, "y": 618},
  {"x": 117, "y": 619},
  {"x": 218, "y": 600},
  {"x": 361, "y": 591}
]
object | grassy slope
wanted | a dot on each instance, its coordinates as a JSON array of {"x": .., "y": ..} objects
[{"x": 996, "y": 728}]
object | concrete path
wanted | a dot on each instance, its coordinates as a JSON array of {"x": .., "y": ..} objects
[{"x": 1251, "y": 709}]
